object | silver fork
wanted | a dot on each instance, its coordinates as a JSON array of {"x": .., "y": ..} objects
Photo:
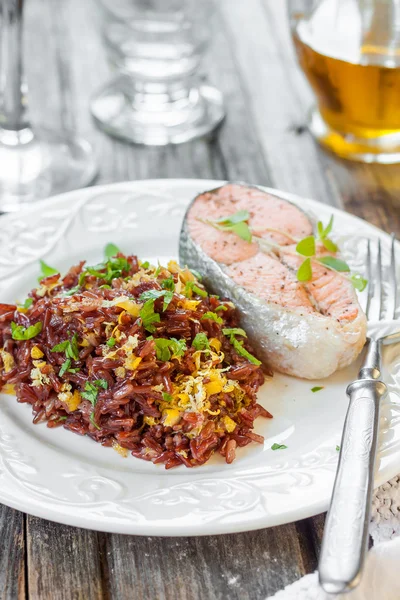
[{"x": 346, "y": 529}]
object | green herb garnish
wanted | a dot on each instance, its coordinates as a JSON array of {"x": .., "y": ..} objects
[
  {"x": 191, "y": 288},
  {"x": 238, "y": 344},
  {"x": 213, "y": 316},
  {"x": 278, "y": 447},
  {"x": 220, "y": 307},
  {"x": 70, "y": 347},
  {"x": 304, "y": 272},
  {"x": 243, "y": 352},
  {"x": 111, "y": 342},
  {"x": 91, "y": 393},
  {"x": 358, "y": 282},
  {"x": 111, "y": 250},
  {"x": 19, "y": 332},
  {"x": 165, "y": 348},
  {"x": 234, "y": 331},
  {"x": 145, "y": 265},
  {"x": 317, "y": 388},
  {"x": 46, "y": 271},
  {"x": 64, "y": 367},
  {"x": 72, "y": 291},
  {"x": 27, "y": 304},
  {"x": 307, "y": 248},
  {"x": 235, "y": 223},
  {"x": 200, "y": 342},
  {"x": 148, "y": 316},
  {"x": 335, "y": 263},
  {"x": 337, "y": 448},
  {"x": 154, "y": 294},
  {"x": 168, "y": 284},
  {"x": 196, "y": 274},
  {"x": 167, "y": 397}
]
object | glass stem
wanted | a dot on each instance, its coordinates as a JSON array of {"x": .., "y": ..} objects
[{"x": 12, "y": 88}]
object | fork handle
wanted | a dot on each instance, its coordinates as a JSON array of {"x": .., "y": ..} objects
[{"x": 346, "y": 528}]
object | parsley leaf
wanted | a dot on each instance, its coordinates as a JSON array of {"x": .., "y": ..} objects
[
  {"x": 19, "y": 332},
  {"x": 28, "y": 303},
  {"x": 91, "y": 393},
  {"x": 46, "y": 270},
  {"x": 317, "y": 388},
  {"x": 168, "y": 284},
  {"x": 304, "y": 272},
  {"x": 243, "y": 352},
  {"x": 111, "y": 250},
  {"x": 148, "y": 316},
  {"x": 145, "y": 265},
  {"x": 111, "y": 342},
  {"x": 165, "y": 348},
  {"x": 220, "y": 307},
  {"x": 113, "y": 268},
  {"x": 154, "y": 294},
  {"x": 238, "y": 344},
  {"x": 200, "y": 342},
  {"x": 213, "y": 316},
  {"x": 70, "y": 347},
  {"x": 278, "y": 447},
  {"x": 64, "y": 367},
  {"x": 166, "y": 397},
  {"x": 337, "y": 448},
  {"x": 234, "y": 331},
  {"x": 196, "y": 274},
  {"x": 191, "y": 288}
]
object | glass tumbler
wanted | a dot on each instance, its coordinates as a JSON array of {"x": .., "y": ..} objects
[
  {"x": 156, "y": 48},
  {"x": 349, "y": 51}
]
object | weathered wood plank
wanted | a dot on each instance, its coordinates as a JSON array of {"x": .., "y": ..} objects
[
  {"x": 63, "y": 562},
  {"x": 242, "y": 566},
  {"x": 12, "y": 554}
]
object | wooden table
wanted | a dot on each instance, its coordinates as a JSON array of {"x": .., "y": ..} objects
[{"x": 264, "y": 140}]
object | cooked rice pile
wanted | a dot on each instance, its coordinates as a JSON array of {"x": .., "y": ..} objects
[{"x": 137, "y": 357}]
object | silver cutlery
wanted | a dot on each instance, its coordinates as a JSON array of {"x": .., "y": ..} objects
[{"x": 346, "y": 529}]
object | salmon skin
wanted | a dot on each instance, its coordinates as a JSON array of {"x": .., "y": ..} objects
[{"x": 306, "y": 329}]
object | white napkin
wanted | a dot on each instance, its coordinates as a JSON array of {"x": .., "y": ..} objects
[
  {"x": 381, "y": 577},
  {"x": 381, "y": 580}
]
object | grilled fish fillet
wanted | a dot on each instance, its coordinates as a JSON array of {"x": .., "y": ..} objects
[{"x": 308, "y": 329}]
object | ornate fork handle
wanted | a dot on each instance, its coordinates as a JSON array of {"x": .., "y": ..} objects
[{"x": 346, "y": 527}]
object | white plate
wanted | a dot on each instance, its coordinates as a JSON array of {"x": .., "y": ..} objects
[{"x": 57, "y": 475}]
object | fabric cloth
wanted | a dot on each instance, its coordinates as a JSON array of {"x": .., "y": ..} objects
[{"x": 381, "y": 577}]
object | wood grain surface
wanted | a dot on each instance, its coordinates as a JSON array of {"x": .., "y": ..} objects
[{"x": 263, "y": 140}]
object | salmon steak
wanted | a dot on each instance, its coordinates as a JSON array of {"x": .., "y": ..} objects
[{"x": 308, "y": 328}]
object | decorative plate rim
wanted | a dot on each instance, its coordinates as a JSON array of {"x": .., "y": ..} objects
[{"x": 239, "y": 497}]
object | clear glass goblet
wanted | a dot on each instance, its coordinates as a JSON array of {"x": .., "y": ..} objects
[
  {"x": 34, "y": 163},
  {"x": 156, "y": 47}
]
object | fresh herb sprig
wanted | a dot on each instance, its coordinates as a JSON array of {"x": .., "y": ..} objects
[
  {"x": 19, "y": 332},
  {"x": 168, "y": 348},
  {"x": 154, "y": 294},
  {"x": 307, "y": 248},
  {"x": 236, "y": 223},
  {"x": 71, "y": 350},
  {"x": 238, "y": 344},
  {"x": 91, "y": 393}
]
